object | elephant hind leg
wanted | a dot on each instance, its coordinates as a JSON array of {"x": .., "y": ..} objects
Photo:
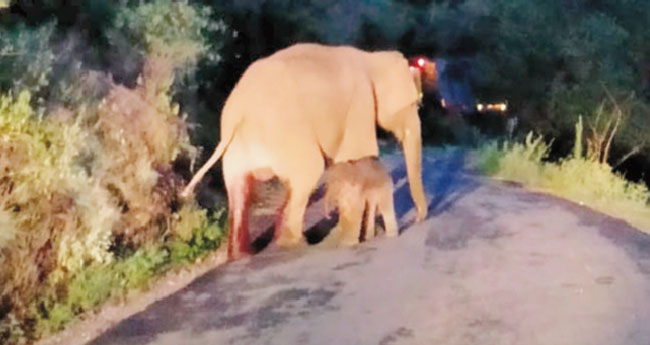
[
  {"x": 239, "y": 243},
  {"x": 289, "y": 223},
  {"x": 300, "y": 182}
]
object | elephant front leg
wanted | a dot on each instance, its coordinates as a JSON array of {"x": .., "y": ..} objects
[
  {"x": 300, "y": 175},
  {"x": 412, "y": 147},
  {"x": 387, "y": 210}
]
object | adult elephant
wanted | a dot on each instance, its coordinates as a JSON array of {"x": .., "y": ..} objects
[{"x": 304, "y": 104}]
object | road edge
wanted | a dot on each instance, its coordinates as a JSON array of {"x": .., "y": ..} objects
[{"x": 91, "y": 325}]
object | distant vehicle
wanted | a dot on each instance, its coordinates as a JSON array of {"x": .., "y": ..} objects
[
  {"x": 492, "y": 107},
  {"x": 449, "y": 79}
]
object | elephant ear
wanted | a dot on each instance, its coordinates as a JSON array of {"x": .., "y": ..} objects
[{"x": 394, "y": 86}]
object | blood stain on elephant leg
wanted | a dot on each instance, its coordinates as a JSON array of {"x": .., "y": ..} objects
[{"x": 238, "y": 237}]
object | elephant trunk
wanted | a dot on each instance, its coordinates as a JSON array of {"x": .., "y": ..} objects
[{"x": 412, "y": 148}]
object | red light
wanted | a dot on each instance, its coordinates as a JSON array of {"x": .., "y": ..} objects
[{"x": 421, "y": 62}]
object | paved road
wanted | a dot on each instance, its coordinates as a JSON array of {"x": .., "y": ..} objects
[{"x": 492, "y": 265}]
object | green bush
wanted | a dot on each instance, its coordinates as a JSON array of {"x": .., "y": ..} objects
[
  {"x": 585, "y": 181},
  {"x": 94, "y": 285},
  {"x": 487, "y": 158},
  {"x": 167, "y": 27},
  {"x": 206, "y": 237},
  {"x": 26, "y": 58},
  {"x": 61, "y": 215},
  {"x": 88, "y": 186},
  {"x": 171, "y": 35}
]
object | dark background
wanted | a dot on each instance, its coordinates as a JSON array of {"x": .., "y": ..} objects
[{"x": 552, "y": 61}]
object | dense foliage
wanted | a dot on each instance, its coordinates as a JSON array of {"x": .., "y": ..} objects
[{"x": 89, "y": 167}]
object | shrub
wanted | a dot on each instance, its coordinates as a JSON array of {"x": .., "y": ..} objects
[
  {"x": 487, "y": 158},
  {"x": 26, "y": 58},
  {"x": 519, "y": 161},
  {"x": 97, "y": 283},
  {"x": 7, "y": 228},
  {"x": 583, "y": 180},
  {"x": 166, "y": 27},
  {"x": 88, "y": 187},
  {"x": 171, "y": 35},
  {"x": 205, "y": 235},
  {"x": 61, "y": 215}
]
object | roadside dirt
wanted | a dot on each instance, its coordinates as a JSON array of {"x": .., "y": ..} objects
[{"x": 91, "y": 325}]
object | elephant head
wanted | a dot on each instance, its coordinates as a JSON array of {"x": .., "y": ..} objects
[{"x": 397, "y": 97}]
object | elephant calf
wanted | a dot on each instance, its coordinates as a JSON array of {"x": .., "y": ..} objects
[{"x": 356, "y": 186}]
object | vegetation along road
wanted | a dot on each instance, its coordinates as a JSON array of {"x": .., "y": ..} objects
[{"x": 493, "y": 264}]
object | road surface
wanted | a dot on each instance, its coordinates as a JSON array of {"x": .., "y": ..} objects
[{"x": 493, "y": 264}]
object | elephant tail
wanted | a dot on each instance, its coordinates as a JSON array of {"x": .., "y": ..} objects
[{"x": 216, "y": 155}]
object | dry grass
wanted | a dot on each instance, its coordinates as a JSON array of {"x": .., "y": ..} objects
[
  {"x": 88, "y": 186},
  {"x": 576, "y": 178}
]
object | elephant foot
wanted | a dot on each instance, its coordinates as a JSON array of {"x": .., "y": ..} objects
[{"x": 421, "y": 214}]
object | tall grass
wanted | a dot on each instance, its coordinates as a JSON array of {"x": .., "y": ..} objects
[{"x": 577, "y": 178}]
